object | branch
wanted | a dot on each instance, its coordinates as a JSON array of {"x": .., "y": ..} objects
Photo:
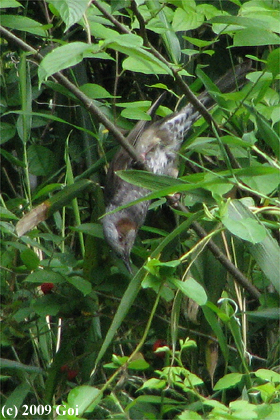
[{"x": 87, "y": 102}]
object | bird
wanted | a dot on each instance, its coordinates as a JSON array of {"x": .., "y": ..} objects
[{"x": 157, "y": 143}]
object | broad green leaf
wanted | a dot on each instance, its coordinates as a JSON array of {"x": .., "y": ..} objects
[
  {"x": 140, "y": 65},
  {"x": 273, "y": 62},
  {"x": 186, "y": 20},
  {"x": 81, "y": 284},
  {"x": 9, "y": 3},
  {"x": 139, "y": 364},
  {"x": 63, "y": 57},
  {"x": 49, "y": 304},
  {"x": 132, "y": 46},
  {"x": 93, "y": 229},
  {"x": 71, "y": 11},
  {"x": 135, "y": 114},
  {"x": 45, "y": 276},
  {"x": 23, "y": 23},
  {"x": 248, "y": 229},
  {"x": 41, "y": 160},
  {"x": 243, "y": 409},
  {"x": 266, "y": 252},
  {"x": 189, "y": 415},
  {"x": 30, "y": 259},
  {"x": 95, "y": 91},
  {"x": 7, "y": 132},
  {"x": 252, "y": 37},
  {"x": 154, "y": 383},
  {"x": 228, "y": 381},
  {"x": 268, "y": 375},
  {"x": 101, "y": 31},
  {"x": 192, "y": 289},
  {"x": 85, "y": 398}
]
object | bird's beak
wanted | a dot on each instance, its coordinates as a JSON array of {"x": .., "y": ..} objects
[{"x": 126, "y": 261}]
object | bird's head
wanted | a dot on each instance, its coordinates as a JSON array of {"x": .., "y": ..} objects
[{"x": 120, "y": 233}]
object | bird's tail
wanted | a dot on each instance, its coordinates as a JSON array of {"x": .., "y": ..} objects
[{"x": 178, "y": 124}]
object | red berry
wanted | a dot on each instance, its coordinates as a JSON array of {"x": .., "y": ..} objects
[
  {"x": 71, "y": 374},
  {"x": 64, "y": 368},
  {"x": 47, "y": 288},
  {"x": 159, "y": 343}
]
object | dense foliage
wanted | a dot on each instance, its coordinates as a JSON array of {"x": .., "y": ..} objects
[{"x": 193, "y": 334}]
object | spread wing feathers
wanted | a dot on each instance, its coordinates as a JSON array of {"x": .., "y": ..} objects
[
  {"x": 159, "y": 141},
  {"x": 179, "y": 123}
]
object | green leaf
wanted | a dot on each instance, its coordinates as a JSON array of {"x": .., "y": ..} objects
[
  {"x": 93, "y": 229},
  {"x": 135, "y": 114},
  {"x": 140, "y": 65},
  {"x": 85, "y": 398},
  {"x": 41, "y": 160},
  {"x": 81, "y": 284},
  {"x": 266, "y": 252},
  {"x": 23, "y": 23},
  {"x": 268, "y": 375},
  {"x": 252, "y": 37},
  {"x": 9, "y": 3},
  {"x": 63, "y": 57},
  {"x": 154, "y": 383},
  {"x": 273, "y": 62},
  {"x": 11, "y": 158},
  {"x": 268, "y": 134},
  {"x": 248, "y": 229},
  {"x": 186, "y": 20},
  {"x": 192, "y": 289},
  {"x": 269, "y": 313},
  {"x": 7, "y": 214},
  {"x": 228, "y": 381},
  {"x": 189, "y": 415},
  {"x": 7, "y": 132},
  {"x": 12, "y": 364},
  {"x": 47, "y": 190},
  {"x": 200, "y": 43},
  {"x": 47, "y": 305},
  {"x": 71, "y": 11},
  {"x": 95, "y": 91},
  {"x": 45, "y": 276},
  {"x": 30, "y": 259},
  {"x": 67, "y": 194},
  {"x": 139, "y": 59},
  {"x": 139, "y": 364}
]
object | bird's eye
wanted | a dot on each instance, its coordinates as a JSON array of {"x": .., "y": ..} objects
[{"x": 121, "y": 238}]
